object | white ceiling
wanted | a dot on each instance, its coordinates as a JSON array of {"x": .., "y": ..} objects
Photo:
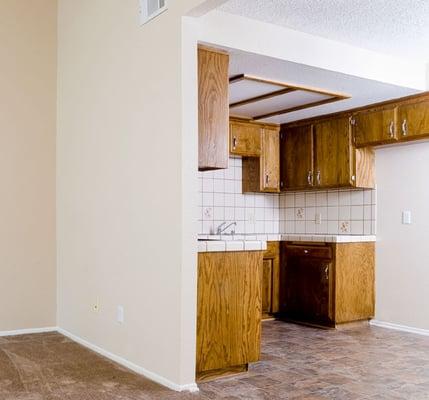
[
  {"x": 362, "y": 91},
  {"x": 396, "y": 27}
]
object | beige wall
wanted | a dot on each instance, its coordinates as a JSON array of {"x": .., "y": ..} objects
[
  {"x": 121, "y": 240},
  {"x": 27, "y": 164},
  {"x": 402, "y": 256}
]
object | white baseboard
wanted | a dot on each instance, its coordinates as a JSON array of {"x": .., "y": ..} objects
[
  {"x": 28, "y": 331},
  {"x": 192, "y": 387},
  {"x": 397, "y": 327}
]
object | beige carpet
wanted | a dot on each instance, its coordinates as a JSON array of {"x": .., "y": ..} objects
[{"x": 50, "y": 367}]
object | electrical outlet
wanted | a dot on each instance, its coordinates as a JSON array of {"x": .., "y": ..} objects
[
  {"x": 96, "y": 306},
  {"x": 318, "y": 218},
  {"x": 120, "y": 314}
]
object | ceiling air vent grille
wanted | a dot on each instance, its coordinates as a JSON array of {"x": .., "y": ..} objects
[{"x": 150, "y": 9}]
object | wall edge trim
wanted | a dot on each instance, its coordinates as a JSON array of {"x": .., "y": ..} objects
[
  {"x": 190, "y": 387},
  {"x": 28, "y": 331},
  {"x": 398, "y": 327}
]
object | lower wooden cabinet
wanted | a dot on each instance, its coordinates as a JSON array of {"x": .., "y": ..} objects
[
  {"x": 328, "y": 284},
  {"x": 229, "y": 312},
  {"x": 271, "y": 280}
]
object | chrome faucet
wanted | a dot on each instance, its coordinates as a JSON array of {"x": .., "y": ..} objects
[{"x": 222, "y": 228}]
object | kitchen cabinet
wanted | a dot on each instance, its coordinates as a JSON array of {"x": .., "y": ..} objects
[
  {"x": 325, "y": 157},
  {"x": 328, "y": 284},
  {"x": 213, "y": 109},
  {"x": 373, "y": 127},
  {"x": 297, "y": 166},
  {"x": 245, "y": 138},
  {"x": 271, "y": 280},
  {"x": 262, "y": 174},
  {"x": 413, "y": 119},
  {"x": 228, "y": 312}
]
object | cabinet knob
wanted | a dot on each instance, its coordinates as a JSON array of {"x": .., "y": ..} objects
[
  {"x": 391, "y": 129},
  {"x": 404, "y": 127},
  {"x": 327, "y": 272},
  {"x": 267, "y": 179},
  {"x": 306, "y": 251},
  {"x": 234, "y": 142},
  {"x": 318, "y": 177}
]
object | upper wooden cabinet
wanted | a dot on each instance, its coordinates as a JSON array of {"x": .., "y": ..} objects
[
  {"x": 413, "y": 119},
  {"x": 371, "y": 128},
  {"x": 333, "y": 154},
  {"x": 323, "y": 156},
  {"x": 270, "y": 159},
  {"x": 213, "y": 109},
  {"x": 297, "y": 159},
  {"x": 245, "y": 139},
  {"x": 262, "y": 174}
]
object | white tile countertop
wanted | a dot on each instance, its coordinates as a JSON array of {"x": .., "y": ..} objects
[
  {"x": 209, "y": 246},
  {"x": 219, "y": 243},
  {"x": 329, "y": 238}
]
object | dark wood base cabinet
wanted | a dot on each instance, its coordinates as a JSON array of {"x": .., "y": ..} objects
[{"x": 328, "y": 284}]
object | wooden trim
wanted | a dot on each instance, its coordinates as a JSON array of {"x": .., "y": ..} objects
[
  {"x": 298, "y": 108},
  {"x": 233, "y": 119},
  {"x": 239, "y": 78},
  {"x": 212, "y": 49},
  {"x": 262, "y": 97},
  {"x": 371, "y": 107},
  {"x": 207, "y": 376}
]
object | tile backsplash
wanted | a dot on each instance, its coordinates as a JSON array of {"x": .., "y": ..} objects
[
  {"x": 221, "y": 199},
  {"x": 341, "y": 212}
]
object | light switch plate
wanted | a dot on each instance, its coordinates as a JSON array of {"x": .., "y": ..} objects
[{"x": 406, "y": 217}]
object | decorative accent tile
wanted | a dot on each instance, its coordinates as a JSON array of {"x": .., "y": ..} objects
[{"x": 343, "y": 211}]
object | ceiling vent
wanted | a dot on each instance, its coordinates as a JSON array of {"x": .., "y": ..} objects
[{"x": 150, "y": 9}]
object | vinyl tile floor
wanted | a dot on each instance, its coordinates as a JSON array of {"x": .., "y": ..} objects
[{"x": 297, "y": 362}]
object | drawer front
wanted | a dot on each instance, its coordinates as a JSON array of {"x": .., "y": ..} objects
[{"x": 323, "y": 252}]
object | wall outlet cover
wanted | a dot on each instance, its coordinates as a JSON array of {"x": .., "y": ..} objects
[{"x": 120, "y": 314}]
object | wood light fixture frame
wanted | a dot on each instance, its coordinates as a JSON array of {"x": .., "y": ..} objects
[{"x": 283, "y": 89}]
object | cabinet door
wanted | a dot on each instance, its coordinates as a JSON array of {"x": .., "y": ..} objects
[
  {"x": 334, "y": 153},
  {"x": 296, "y": 159},
  {"x": 270, "y": 160},
  {"x": 413, "y": 120},
  {"x": 245, "y": 139},
  {"x": 308, "y": 289},
  {"x": 213, "y": 110},
  {"x": 228, "y": 309},
  {"x": 267, "y": 287},
  {"x": 374, "y": 127}
]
